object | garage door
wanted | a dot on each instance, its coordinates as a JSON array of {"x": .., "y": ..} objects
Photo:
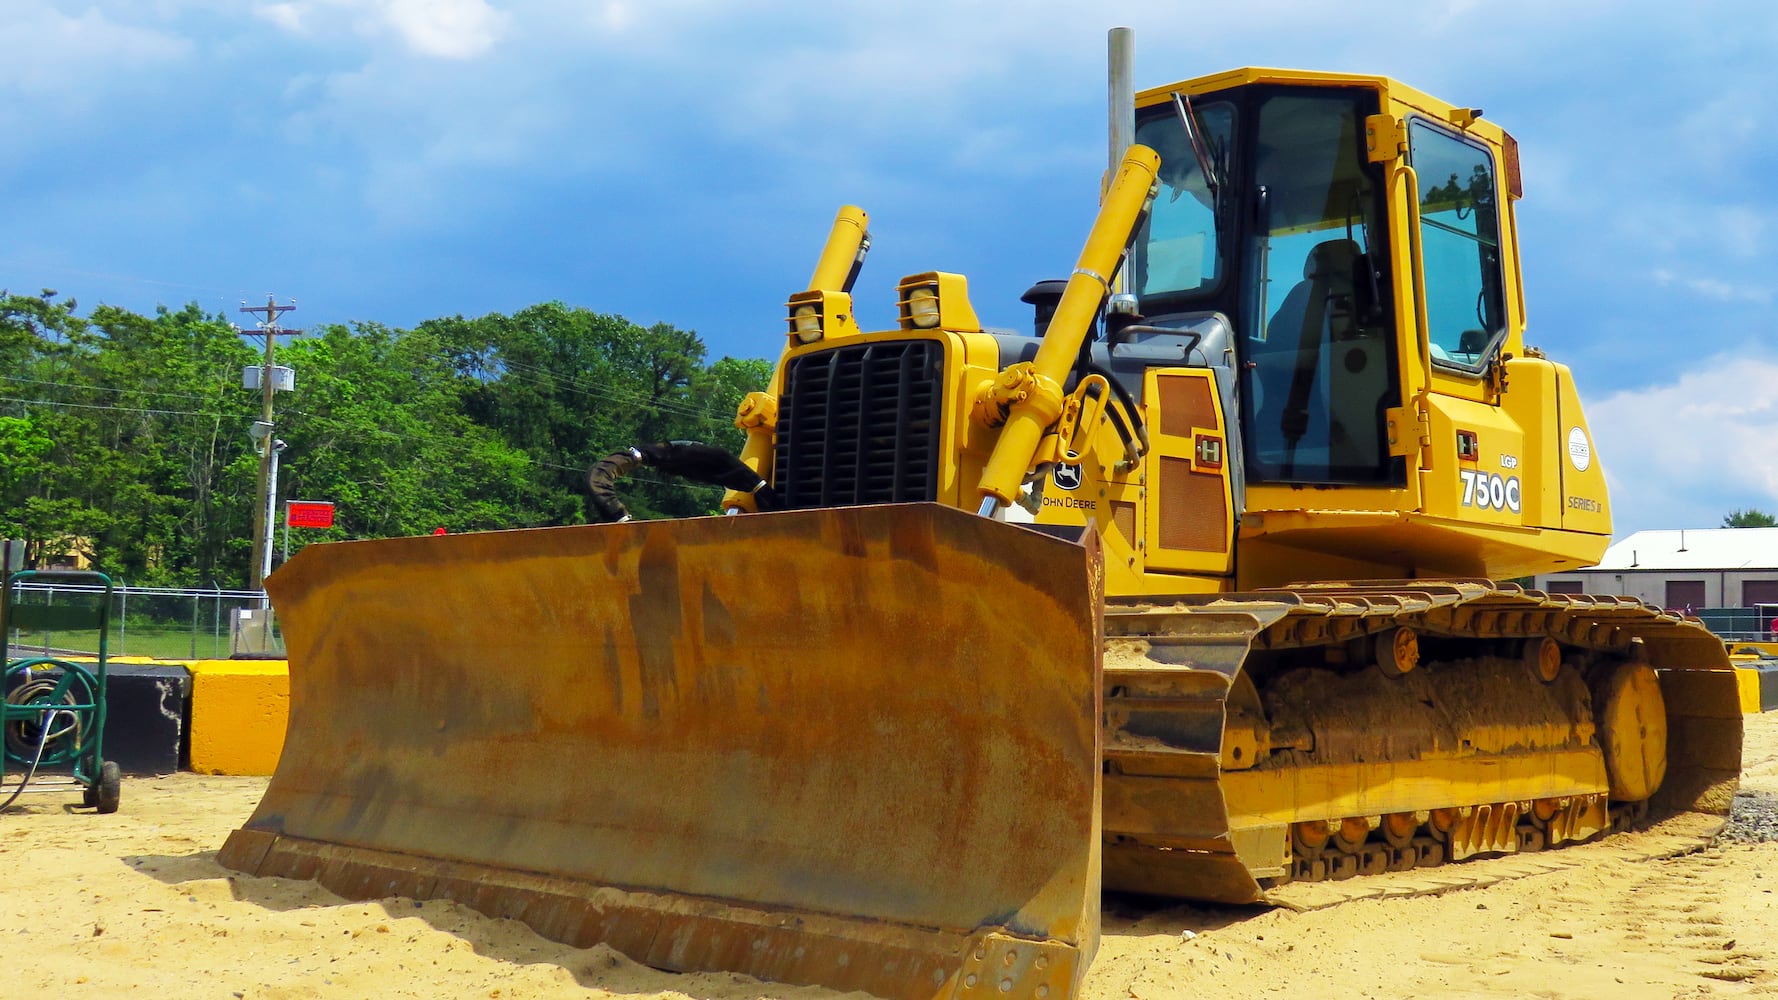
[{"x": 1685, "y": 595}]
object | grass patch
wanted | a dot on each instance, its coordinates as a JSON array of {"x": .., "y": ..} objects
[{"x": 158, "y": 641}]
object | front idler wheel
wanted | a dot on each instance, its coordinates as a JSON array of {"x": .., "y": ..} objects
[{"x": 1632, "y": 729}]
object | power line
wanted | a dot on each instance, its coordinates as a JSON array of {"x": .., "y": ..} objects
[
  {"x": 462, "y": 445},
  {"x": 120, "y": 409},
  {"x": 518, "y": 371},
  {"x": 397, "y": 435},
  {"x": 108, "y": 275},
  {"x": 609, "y": 393},
  {"x": 715, "y": 417},
  {"x": 105, "y": 388}
]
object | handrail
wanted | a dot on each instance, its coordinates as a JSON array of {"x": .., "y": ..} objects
[{"x": 1423, "y": 325}]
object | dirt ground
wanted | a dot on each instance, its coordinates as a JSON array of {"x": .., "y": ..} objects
[{"x": 135, "y": 904}]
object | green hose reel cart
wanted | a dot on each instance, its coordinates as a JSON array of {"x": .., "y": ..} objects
[{"x": 53, "y": 713}]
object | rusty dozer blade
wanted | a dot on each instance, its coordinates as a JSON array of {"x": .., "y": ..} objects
[{"x": 857, "y": 748}]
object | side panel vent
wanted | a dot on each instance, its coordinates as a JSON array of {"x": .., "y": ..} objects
[{"x": 861, "y": 424}]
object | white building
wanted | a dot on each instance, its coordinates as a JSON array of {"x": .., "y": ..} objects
[{"x": 1685, "y": 569}]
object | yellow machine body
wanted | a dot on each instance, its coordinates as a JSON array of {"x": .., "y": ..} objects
[
  {"x": 1518, "y": 420},
  {"x": 1271, "y": 437}
]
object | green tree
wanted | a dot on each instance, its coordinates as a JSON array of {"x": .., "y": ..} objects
[
  {"x": 174, "y": 417},
  {"x": 126, "y": 435},
  {"x": 568, "y": 386},
  {"x": 376, "y": 427},
  {"x": 44, "y": 497},
  {"x": 31, "y": 325},
  {"x": 1752, "y": 517}
]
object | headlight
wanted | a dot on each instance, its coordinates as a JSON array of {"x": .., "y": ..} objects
[
  {"x": 806, "y": 319},
  {"x": 923, "y": 307},
  {"x": 817, "y": 315},
  {"x": 935, "y": 300}
]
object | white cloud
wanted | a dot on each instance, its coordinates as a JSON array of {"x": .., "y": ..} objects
[
  {"x": 287, "y": 16},
  {"x": 982, "y": 122},
  {"x": 821, "y": 88},
  {"x": 44, "y": 52},
  {"x": 1712, "y": 288},
  {"x": 441, "y": 29},
  {"x": 1683, "y": 453},
  {"x": 1717, "y": 133},
  {"x": 1691, "y": 222},
  {"x": 615, "y": 16},
  {"x": 448, "y": 29}
]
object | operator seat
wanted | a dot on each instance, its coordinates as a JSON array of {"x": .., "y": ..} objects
[{"x": 1318, "y": 309}]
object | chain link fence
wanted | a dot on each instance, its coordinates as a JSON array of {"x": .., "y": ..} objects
[
  {"x": 162, "y": 623},
  {"x": 1756, "y": 624}
]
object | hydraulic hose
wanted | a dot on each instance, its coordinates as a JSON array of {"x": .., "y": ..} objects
[{"x": 700, "y": 463}]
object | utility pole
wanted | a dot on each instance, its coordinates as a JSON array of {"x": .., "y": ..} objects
[{"x": 264, "y": 438}]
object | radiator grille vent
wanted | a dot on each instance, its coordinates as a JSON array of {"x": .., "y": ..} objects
[{"x": 861, "y": 424}]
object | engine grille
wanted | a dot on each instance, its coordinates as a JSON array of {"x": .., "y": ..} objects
[{"x": 861, "y": 424}]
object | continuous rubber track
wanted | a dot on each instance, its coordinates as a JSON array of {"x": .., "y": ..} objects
[{"x": 1235, "y": 723}]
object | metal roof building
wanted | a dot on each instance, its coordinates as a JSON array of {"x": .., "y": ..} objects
[{"x": 1685, "y": 569}]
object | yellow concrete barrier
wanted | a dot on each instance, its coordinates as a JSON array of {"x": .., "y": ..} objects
[
  {"x": 1758, "y": 683},
  {"x": 239, "y": 711},
  {"x": 1748, "y": 680}
]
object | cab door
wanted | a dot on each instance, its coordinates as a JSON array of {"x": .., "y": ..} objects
[
  {"x": 1478, "y": 457},
  {"x": 1318, "y": 351}
]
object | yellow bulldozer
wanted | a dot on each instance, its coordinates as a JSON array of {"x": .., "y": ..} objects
[{"x": 1184, "y": 592}]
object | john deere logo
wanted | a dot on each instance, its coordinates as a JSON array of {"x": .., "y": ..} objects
[{"x": 1067, "y": 477}]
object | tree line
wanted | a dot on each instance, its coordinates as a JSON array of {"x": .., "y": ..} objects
[
  {"x": 127, "y": 436},
  {"x": 1752, "y": 517}
]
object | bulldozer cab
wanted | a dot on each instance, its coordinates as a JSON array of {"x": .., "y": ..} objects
[
  {"x": 1335, "y": 324},
  {"x": 1294, "y": 251},
  {"x": 1349, "y": 242}
]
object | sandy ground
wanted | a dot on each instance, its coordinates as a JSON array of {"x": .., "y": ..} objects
[{"x": 135, "y": 904}]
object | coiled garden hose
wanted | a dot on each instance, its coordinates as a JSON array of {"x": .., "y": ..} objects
[
  {"x": 46, "y": 731},
  {"x": 33, "y": 688}
]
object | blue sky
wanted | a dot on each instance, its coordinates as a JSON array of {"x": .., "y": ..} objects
[{"x": 679, "y": 161}]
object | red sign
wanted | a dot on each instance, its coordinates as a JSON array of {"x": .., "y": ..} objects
[{"x": 308, "y": 513}]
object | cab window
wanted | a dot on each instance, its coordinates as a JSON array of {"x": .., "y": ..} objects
[
  {"x": 1316, "y": 340},
  {"x": 1177, "y": 249},
  {"x": 1460, "y": 246}
]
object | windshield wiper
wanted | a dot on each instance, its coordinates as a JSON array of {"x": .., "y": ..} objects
[{"x": 1188, "y": 118}]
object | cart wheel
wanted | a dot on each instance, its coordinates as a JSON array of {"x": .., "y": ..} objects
[{"x": 110, "y": 787}]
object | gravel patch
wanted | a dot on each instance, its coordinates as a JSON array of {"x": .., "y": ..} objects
[{"x": 1753, "y": 819}]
